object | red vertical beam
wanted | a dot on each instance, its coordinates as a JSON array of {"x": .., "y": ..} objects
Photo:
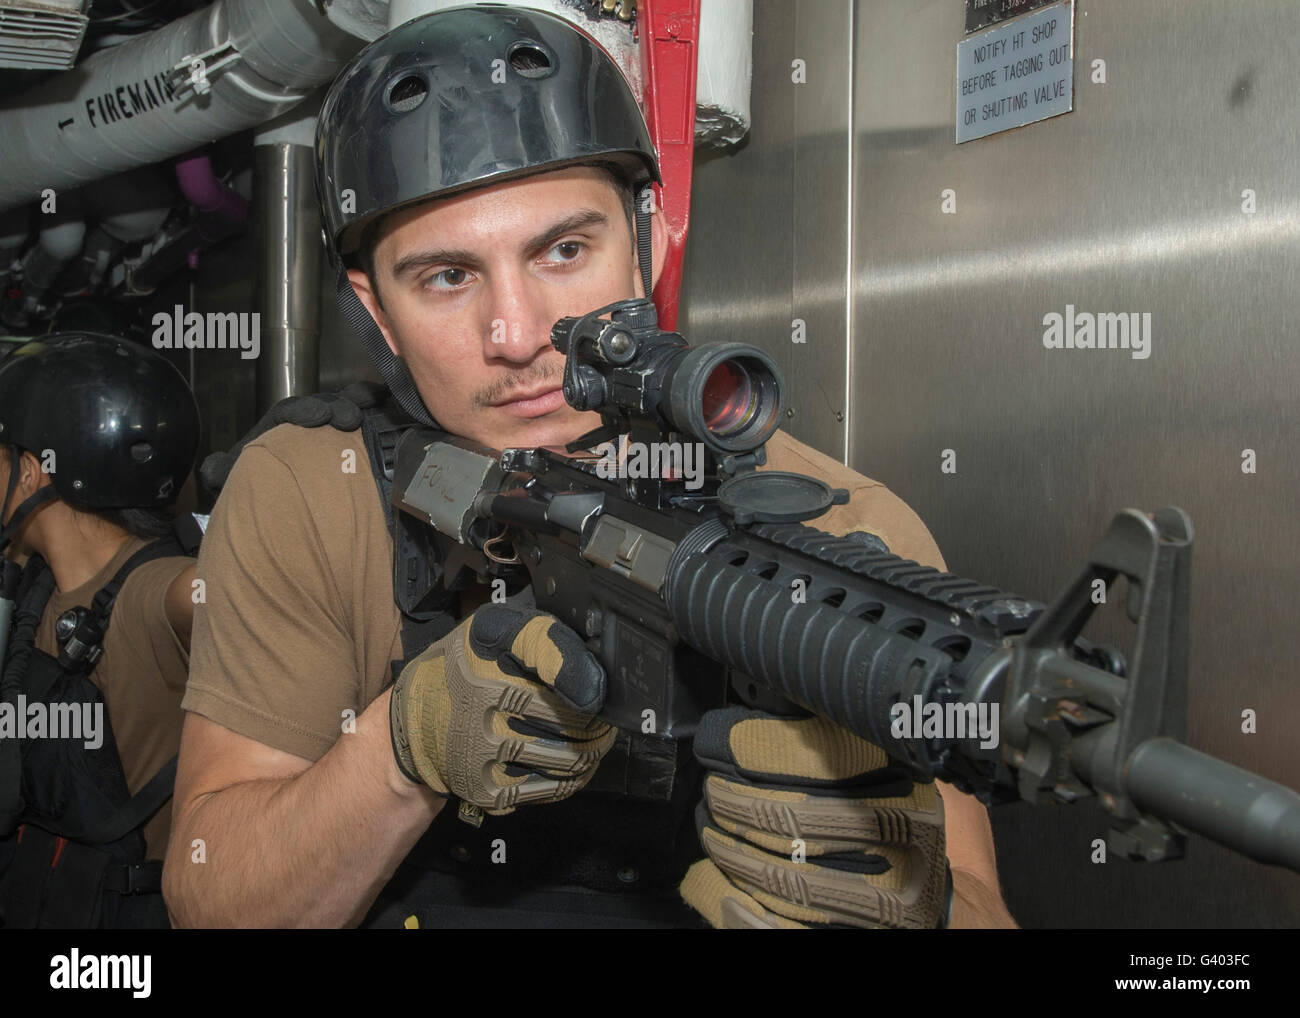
[{"x": 669, "y": 38}]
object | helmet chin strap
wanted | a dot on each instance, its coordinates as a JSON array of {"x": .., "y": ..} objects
[
  {"x": 46, "y": 494},
  {"x": 391, "y": 368},
  {"x": 644, "y": 254}
]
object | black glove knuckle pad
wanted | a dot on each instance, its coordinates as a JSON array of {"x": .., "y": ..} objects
[
  {"x": 493, "y": 630},
  {"x": 581, "y": 679},
  {"x": 345, "y": 415},
  {"x": 305, "y": 411}
]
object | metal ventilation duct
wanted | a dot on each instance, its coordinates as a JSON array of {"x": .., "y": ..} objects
[{"x": 41, "y": 34}]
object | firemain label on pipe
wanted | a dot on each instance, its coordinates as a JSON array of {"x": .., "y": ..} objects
[{"x": 127, "y": 101}]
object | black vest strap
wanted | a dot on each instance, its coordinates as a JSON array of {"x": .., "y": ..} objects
[
  {"x": 106, "y": 597},
  {"x": 428, "y": 611},
  {"x": 34, "y": 591},
  {"x": 138, "y": 811}
]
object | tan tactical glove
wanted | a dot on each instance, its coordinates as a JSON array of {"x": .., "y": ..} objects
[
  {"x": 807, "y": 824},
  {"x": 499, "y": 711}
]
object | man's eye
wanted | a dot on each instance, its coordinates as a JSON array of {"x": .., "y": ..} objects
[
  {"x": 567, "y": 251},
  {"x": 447, "y": 279}
]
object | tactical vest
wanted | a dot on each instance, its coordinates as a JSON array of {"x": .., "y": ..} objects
[
  {"x": 72, "y": 848},
  {"x": 611, "y": 855}
]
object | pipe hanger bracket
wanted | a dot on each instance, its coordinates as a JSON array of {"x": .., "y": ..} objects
[{"x": 191, "y": 73}]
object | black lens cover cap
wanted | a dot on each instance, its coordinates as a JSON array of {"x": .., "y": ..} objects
[{"x": 777, "y": 496}]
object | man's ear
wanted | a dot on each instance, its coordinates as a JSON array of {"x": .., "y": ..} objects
[
  {"x": 30, "y": 476},
  {"x": 361, "y": 287}
]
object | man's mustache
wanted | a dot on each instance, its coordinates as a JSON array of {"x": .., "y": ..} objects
[{"x": 520, "y": 381}]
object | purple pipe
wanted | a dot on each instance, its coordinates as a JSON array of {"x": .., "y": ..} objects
[{"x": 200, "y": 185}]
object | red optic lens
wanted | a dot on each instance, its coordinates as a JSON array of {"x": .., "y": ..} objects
[{"x": 727, "y": 398}]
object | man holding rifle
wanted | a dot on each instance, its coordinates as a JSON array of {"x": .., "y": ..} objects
[{"x": 478, "y": 171}]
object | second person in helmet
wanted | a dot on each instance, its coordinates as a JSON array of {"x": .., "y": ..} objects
[{"x": 97, "y": 437}]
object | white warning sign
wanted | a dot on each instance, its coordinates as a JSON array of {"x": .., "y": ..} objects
[{"x": 1017, "y": 73}]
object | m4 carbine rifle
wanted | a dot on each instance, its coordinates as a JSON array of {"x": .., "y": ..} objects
[{"x": 669, "y": 576}]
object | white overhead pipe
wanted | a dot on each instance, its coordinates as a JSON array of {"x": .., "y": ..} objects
[{"x": 245, "y": 61}]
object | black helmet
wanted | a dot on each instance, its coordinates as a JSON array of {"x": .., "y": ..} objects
[
  {"x": 120, "y": 420},
  {"x": 465, "y": 97}
]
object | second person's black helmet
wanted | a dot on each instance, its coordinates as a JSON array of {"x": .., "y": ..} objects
[{"x": 118, "y": 417}]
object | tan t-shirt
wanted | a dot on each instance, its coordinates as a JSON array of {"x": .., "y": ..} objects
[
  {"x": 299, "y": 623},
  {"x": 141, "y": 673}
]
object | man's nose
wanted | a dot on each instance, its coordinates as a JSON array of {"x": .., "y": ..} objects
[{"x": 517, "y": 323}]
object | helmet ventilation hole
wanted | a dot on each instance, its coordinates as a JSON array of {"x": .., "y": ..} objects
[
  {"x": 141, "y": 452},
  {"x": 530, "y": 60},
  {"x": 407, "y": 92}
]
